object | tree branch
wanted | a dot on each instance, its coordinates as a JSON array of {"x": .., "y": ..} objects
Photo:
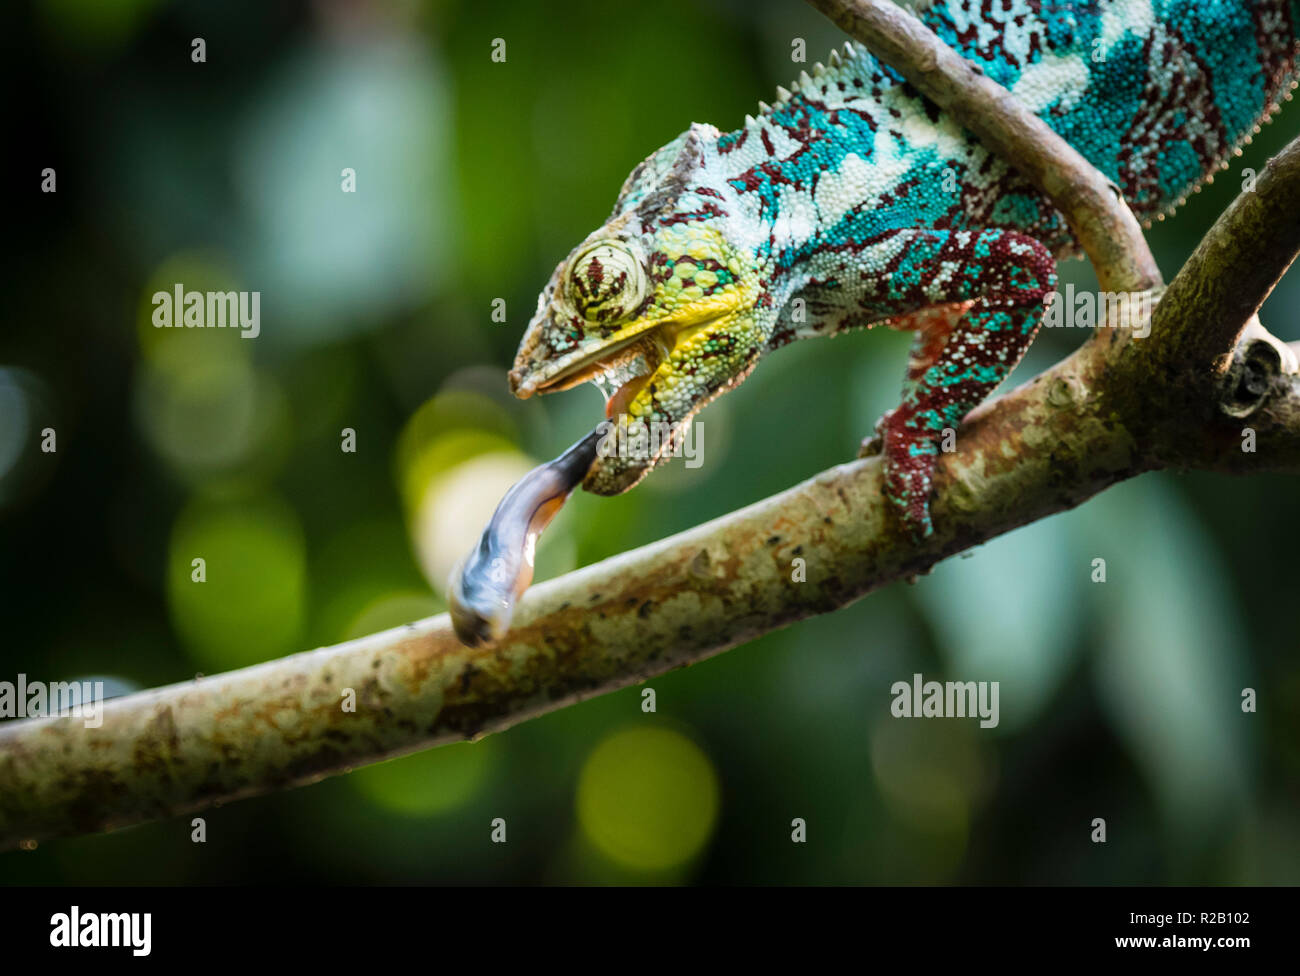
[
  {"x": 1222, "y": 285},
  {"x": 1113, "y": 409}
]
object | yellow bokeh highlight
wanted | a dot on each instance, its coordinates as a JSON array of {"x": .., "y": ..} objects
[
  {"x": 195, "y": 271},
  {"x": 446, "y": 430},
  {"x": 430, "y": 782},
  {"x": 250, "y": 604},
  {"x": 212, "y": 418},
  {"x": 456, "y": 507},
  {"x": 392, "y": 610},
  {"x": 648, "y": 799},
  {"x": 933, "y": 775}
]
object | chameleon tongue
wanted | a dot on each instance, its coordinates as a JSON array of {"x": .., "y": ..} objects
[
  {"x": 618, "y": 401},
  {"x": 483, "y": 588}
]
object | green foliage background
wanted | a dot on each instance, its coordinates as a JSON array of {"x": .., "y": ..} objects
[{"x": 1119, "y": 700}]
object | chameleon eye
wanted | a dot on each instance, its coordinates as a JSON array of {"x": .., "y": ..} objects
[{"x": 606, "y": 282}]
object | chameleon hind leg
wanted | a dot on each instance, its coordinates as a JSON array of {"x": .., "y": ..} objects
[
  {"x": 931, "y": 328},
  {"x": 994, "y": 285}
]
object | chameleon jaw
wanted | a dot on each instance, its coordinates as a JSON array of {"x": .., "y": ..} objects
[
  {"x": 583, "y": 365},
  {"x": 651, "y": 341}
]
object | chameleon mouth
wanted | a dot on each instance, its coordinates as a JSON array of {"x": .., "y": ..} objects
[
  {"x": 622, "y": 364},
  {"x": 620, "y": 369}
]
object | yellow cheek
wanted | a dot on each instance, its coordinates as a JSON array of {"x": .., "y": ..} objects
[
  {"x": 704, "y": 359},
  {"x": 702, "y": 250}
]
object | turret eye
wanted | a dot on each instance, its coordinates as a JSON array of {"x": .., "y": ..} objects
[{"x": 606, "y": 282}]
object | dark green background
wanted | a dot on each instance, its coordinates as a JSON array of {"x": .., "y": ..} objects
[{"x": 1119, "y": 700}]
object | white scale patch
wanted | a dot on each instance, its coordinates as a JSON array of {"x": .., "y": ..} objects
[
  {"x": 1043, "y": 83},
  {"x": 944, "y": 277},
  {"x": 796, "y": 217},
  {"x": 783, "y": 145},
  {"x": 879, "y": 255},
  {"x": 945, "y": 135},
  {"x": 890, "y": 163},
  {"x": 840, "y": 192},
  {"x": 1125, "y": 17}
]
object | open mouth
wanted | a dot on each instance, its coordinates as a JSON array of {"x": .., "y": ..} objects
[
  {"x": 620, "y": 370},
  {"x": 623, "y": 365}
]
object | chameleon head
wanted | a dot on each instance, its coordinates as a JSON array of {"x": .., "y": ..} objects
[{"x": 662, "y": 305}]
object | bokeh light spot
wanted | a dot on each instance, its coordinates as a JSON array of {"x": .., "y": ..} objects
[
  {"x": 211, "y": 416},
  {"x": 196, "y": 272},
  {"x": 457, "y": 506},
  {"x": 933, "y": 774},
  {"x": 250, "y": 605},
  {"x": 648, "y": 798},
  {"x": 429, "y": 782},
  {"x": 392, "y": 610},
  {"x": 93, "y": 25}
]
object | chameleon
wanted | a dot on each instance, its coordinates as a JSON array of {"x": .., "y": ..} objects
[{"x": 852, "y": 201}]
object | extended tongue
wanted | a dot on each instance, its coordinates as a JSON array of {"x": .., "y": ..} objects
[{"x": 482, "y": 591}]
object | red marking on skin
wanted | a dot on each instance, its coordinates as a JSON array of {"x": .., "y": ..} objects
[
  {"x": 767, "y": 143},
  {"x": 659, "y": 268},
  {"x": 706, "y": 211},
  {"x": 781, "y": 337},
  {"x": 777, "y": 178},
  {"x": 864, "y": 116},
  {"x": 744, "y": 134}
]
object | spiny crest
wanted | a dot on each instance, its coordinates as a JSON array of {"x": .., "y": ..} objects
[{"x": 807, "y": 82}]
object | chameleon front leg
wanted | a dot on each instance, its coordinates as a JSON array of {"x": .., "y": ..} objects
[{"x": 994, "y": 285}]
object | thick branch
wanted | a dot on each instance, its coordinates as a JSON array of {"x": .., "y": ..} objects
[
  {"x": 1218, "y": 391},
  {"x": 1202, "y": 314},
  {"x": 177, "y": 749}
]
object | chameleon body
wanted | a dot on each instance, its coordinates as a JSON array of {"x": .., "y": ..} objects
[{"x": 857, "y": 195}]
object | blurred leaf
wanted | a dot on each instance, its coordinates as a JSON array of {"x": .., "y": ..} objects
[
  {"x": 1172, "y": 662},
  {"x": 330, "y": 262},
  {"x": 1010, "y": 612}
]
